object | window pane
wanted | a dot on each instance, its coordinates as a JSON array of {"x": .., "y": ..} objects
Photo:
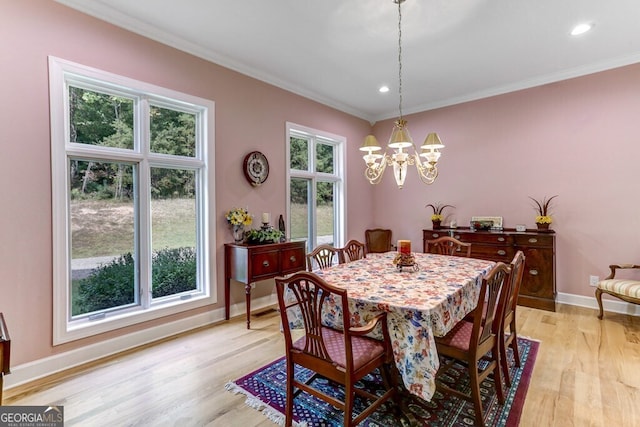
[
  {"x": 100, "y": 119},
  {"x": 173, "y": 231},
  {"x": 299, "y": 149},
  {"x": 102, "y": 236},
  {"x": 172, "y": 132},
  {"x": 325, "y": 213},
  {"x": 324, "y": 158},
  {"x": 299, "y": 209}
]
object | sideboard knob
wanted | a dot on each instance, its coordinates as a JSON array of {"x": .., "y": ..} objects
[
  {"x": 533, "y": 240},
  {"x": 500, "y": 239},
  {"x": 265, "y": 263},
  {"x": 533, "y": 272},
  {"x": 501, "y": 252},
  {"x": 292, "y": 259}
]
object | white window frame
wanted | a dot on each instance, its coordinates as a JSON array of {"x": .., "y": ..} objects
[
  {"x": 338, "y": 177},
  {"x": 61, "y": 73}
]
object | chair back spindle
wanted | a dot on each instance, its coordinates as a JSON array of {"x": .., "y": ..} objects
[
  {"x": 489, "y": 303},
  {"x": 322, "y": 257},
  {"x": 447, "y": 245},
  {"x": 352, "y": 251}
]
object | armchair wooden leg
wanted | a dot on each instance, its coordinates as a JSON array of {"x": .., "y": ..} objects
[{"x": 599, "y": 298}]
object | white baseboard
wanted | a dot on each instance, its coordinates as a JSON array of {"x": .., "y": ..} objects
[
  {"x": 613, "y": 305},
  {"x": 41, "y": 368},
  {"x": 31, "y": 371}
]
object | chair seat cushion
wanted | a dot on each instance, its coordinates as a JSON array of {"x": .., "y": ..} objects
[
  {"x": 629, "y": 288},
  {"x": 458, "y": 337},
  {"x": 364, "y": 349}
]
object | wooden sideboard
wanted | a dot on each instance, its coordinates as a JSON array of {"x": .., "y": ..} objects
[
  {"x": 538, "y": 287},
  {"x": 252, "y": 263}
]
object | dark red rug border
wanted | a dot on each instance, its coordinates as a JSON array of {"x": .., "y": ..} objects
[{"x": 513, "y": 420}]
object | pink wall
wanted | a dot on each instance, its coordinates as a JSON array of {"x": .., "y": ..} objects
[
  {"x": 250, "y": 115},
  {"x": 542, "y": 141},
  {"x": 577, "y": 138}
]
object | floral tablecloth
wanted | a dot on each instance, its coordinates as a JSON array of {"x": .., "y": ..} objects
[{"x": 420, "y": 304}]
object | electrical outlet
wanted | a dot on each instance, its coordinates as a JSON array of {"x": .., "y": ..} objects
[
  {"x": 593, "y": 280},
  {"x": 253, "y": 285}
]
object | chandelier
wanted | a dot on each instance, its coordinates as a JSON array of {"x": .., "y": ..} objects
[{"x": 400, "y": 142}]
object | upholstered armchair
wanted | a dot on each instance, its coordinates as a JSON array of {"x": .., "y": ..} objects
[{"x": 626, "y": 290}]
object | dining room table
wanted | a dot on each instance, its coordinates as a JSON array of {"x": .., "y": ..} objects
[{"x": 424, "y": 300}]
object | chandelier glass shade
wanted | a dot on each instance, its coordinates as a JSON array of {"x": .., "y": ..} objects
[{"x": 403, "y": 152}]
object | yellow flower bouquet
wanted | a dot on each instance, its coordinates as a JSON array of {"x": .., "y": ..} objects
[
  {"x": 239, "y": 216},
  {"x": 543, "y": 219},
  {"x": 437, "y": 208},
  {"x": 437, "y": 215}
]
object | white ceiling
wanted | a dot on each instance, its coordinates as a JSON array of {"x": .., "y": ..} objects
[{"x": 339, "y": 52}]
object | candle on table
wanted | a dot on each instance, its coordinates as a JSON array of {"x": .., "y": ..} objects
[
  {"x": 265, "y": 218},
  {"x": 404, "y": 246}
]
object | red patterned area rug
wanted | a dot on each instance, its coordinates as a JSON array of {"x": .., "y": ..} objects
[{"x": 265, "y": 391}]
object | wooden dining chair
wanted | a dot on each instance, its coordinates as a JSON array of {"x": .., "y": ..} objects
[
  {"x": 352, "y": 251},
  {"x": 323, "y": 256},
  {"x": 344, "y": 356},
  {"x": 378, "y": 240},
  {"x": 447, "y": 245},
  {"x": 469, "y": 342},
  {"x": 509, "y": 318}
]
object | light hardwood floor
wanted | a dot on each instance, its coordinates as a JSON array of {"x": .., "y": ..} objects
[{"x": 587, "y": 374}]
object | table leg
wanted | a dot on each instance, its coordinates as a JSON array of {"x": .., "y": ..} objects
[{"x": 247, "y": 295}]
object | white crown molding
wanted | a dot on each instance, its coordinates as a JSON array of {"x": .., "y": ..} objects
[
  {"x": 520, "y": 85},
  {"x": 112, "y": 16}
]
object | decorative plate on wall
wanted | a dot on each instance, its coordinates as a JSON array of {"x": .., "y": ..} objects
[{"x": 256, "y": 168}]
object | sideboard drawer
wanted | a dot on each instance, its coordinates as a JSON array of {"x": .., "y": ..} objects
[
  {"x": 493, "y": 252},
  {"x": 486, "y": 238},
  {"x": 265, "y": 263},
  {"x": 537, "y": 240},
  {"x": 293, "y": 260},
  {"x": 432, "y": 235}
]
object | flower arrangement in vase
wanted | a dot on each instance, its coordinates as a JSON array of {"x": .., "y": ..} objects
[
  {"x": 437, "y": 216},
  {"x": 543, "y": 219},
  {"x": 238, "y": 218}
]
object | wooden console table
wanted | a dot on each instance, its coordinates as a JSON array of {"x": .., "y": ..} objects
[
  {"x": 251, "y": 263},
  {"x": 5, "y": 353},
  {"x": 538, "y": 289}
]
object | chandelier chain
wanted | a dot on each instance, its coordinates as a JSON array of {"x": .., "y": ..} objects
[
  {"x": 400, "y": 57},
  {"x": 404, "y": 152}
]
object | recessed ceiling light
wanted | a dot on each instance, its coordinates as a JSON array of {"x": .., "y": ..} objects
[
  {"x": 581, "y": 29},
  {"x": 383, "y": 89}
]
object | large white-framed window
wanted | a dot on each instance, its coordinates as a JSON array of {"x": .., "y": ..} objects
[
  {"x": 315, "y": 186},
  {"x": 130, "y": 163}
]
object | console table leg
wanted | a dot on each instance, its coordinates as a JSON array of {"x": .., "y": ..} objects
[
  {"x": 227, "y": 298},
  {"x": 247, "y": 294}
]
